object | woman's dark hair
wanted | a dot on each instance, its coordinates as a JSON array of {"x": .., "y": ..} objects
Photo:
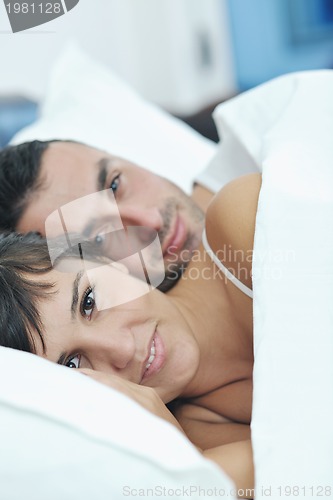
[{"x": 21, "y": 256}]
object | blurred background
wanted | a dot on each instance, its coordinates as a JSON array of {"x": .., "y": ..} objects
[{"x": 184, "y": 55}]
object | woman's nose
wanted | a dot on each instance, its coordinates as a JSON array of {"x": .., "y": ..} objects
[{"x": 110, "y": 349}]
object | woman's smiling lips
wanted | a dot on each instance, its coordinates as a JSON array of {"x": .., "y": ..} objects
[
  {"x": 155, "y": 358},
  {"x": 177, "y": 238}
]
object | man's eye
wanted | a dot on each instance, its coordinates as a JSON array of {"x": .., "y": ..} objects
[
  {"x": 115, "y": 183},
  {"x": 88, "y": 303},
  {"x": 74, "y": 362},
  {"x": 99, "y": 239}
]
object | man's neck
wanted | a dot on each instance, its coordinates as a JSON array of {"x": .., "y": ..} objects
[{"x": 201, "y": 196}]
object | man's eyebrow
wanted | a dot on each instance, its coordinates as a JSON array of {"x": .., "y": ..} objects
[
  {"x": 103, "y": 166},
  {"x": 75, "y": 293}
]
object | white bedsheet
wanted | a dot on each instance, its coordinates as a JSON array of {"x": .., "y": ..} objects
[{"x": 293, "y": 300}]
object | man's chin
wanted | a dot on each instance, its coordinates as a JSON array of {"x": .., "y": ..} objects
[{"x": 173, "y": 273}]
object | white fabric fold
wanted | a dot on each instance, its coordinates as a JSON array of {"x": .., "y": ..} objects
[{"x": 293, "y": 295}]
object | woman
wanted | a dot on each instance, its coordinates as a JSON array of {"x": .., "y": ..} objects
[{"x": 193, "y": 346}]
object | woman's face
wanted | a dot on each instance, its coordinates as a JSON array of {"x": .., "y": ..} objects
[{"x": 104, "y": 319}]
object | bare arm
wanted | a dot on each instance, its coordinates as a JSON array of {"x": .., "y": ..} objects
[{"x": 236, "y": 459}]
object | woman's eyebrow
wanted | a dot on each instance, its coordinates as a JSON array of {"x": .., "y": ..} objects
[
  {"x": 75, "y": 293},
  {"x": 62, "y": 358},
  {"x": 75, "y": 300}
]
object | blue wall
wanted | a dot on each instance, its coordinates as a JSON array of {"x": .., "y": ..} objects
[
  {"x": 15, "y": 113},
  {"x": 272, "y": 37}
]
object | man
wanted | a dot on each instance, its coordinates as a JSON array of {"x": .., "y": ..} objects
[{"x": 37, "y": 178}]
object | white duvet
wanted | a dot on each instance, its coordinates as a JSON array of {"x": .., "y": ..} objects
[{"x": 293, "y": 298}]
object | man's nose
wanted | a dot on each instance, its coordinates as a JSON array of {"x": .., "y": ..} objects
[{"x": 133, "y": 215}]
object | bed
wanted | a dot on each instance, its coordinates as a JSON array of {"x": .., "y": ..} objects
[{"x": 56, "y": 425}]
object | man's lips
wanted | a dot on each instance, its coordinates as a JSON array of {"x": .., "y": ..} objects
[{"x": 176, "y": 240}]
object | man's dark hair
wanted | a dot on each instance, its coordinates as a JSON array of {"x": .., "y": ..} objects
[
  {"x": 21, "y": 256},
  {"x": 19, "y": 172}
]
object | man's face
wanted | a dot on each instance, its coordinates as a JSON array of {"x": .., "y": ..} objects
[{"x": 70, "y": 171}]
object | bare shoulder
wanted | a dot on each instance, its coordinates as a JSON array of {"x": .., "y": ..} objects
[
  {"x": 233, "y": 210},
  {"x": 230, "y": 219}
]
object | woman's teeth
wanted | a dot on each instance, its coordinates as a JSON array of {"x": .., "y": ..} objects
[{"x": 152, "y": 355}]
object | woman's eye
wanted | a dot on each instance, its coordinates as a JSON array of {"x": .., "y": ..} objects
[
  {"x": 115, "y": 183},
  {"x": 74, "y": 362},
  {"x": 88, "y": 303}
]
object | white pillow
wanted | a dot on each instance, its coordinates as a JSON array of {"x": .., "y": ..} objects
[
  {"x": 65, "y": 436},
  {"x": 88, "y": 103}
]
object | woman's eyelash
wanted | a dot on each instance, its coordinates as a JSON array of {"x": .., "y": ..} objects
[
  {"x": 70, "y": 362},
  {"x": 88, "y": 303}
]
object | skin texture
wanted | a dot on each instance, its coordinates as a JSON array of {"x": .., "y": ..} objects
[
  {"x": 70, "y": 171},
  {"x": 117, "y": 340},
  {"x": 202, "y": 328}
]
